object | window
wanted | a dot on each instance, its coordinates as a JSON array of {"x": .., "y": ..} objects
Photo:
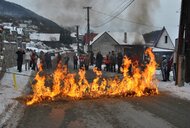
[{"x": 166, "y": 39}]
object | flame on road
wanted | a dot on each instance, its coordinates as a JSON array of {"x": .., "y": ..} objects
[{"x": 76, "y": 86}]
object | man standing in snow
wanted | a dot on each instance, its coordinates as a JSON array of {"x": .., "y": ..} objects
[
  {"x": 27, "y": 60},
  {"x": 99, "y": 60},
  {"x": 20, "y": 54},
  {"x": 164, "y": 63},
  {"x": 48, "y": 60},
  {"x": 119, "y": 61},
  {"x": 113, "y": 61},
  {"x": 75, "y": 61}
]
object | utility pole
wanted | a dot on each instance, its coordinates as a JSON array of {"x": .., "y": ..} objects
[
  {"x": 183, "y": 51},
  {"x": 88, "y": 26},
  {"x": 77, "y": 36}
]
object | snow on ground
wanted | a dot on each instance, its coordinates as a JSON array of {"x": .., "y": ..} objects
[
  {"x": 8, "y": 91},
  {"x": 181, "y": 92}
]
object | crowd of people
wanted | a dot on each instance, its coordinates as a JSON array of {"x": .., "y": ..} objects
[
  {"x": 110, "y": 61},
  {"x": 32, "y": 59}
]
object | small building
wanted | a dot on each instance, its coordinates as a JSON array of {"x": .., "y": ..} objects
[
  {"x": 50, "y": 39},
  {"x": 45, "y": 36},
  {"x": 130, "y": 44},
  {"x": 161, "y": 43}
]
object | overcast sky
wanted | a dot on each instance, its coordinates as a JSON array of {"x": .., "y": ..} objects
[{"x": 141, "y": 16}]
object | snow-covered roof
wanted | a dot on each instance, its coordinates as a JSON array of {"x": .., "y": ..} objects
[
  {"x": 45, "y": 36},
  {"x": 133, "y": 38},
  {"x": 96, "y": 37}
]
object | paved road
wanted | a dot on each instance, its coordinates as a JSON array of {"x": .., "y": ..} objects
[{"x": 160, "y": 111}]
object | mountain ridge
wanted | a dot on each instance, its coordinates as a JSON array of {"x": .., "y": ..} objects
[{"x": 11, "y": 11}]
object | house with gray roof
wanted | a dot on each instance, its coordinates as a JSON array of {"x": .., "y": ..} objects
[{"x": 161, "y": 43}]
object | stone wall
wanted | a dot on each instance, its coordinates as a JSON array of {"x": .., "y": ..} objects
[{"x": 10, "y": 54}]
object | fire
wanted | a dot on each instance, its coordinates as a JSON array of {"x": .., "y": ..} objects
[{"x": 134, "y": 82}]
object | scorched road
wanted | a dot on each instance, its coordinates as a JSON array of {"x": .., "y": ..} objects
[{"x": 160, "y": 111}]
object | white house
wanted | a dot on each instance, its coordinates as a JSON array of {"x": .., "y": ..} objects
[
  {"x": 161, "y": 43},
  {"x": 159, "y": 39},
  {"x": 45, "y": 36}
]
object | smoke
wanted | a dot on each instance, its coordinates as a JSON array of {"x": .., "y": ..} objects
[
  {"x": 71, "y": 12},
  {"x": 142, "y": 12},
  {"x": 63, "y": 12}
]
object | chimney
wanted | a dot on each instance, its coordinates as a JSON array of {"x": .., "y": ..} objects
[{"x": 125, "y": 37}]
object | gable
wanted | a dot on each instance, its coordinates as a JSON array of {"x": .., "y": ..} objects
[
  {"x": 104, "y": 38},
  {"x": 104, "y": 43},
  {"x": 164, "y": 41}
]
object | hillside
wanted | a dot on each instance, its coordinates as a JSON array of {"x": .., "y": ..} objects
[{"x": 11, "y": 12}]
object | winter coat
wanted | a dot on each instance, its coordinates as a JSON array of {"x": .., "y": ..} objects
[{"x": 20, "y": 54}]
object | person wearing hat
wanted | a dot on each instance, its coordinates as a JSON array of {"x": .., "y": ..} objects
[{"x": 164, "y": 67}]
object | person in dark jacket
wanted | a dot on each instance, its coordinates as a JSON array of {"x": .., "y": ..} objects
[
  {"x": 48, "y": 60},
  {"x": 169, "y": 65},
  {"x": 20, "y": 54},
  {"x": 34, "y": 60},
  {"x": 75, "y": 61},
  {"x": 113, "y": 61},
  {"x": 119, "y": 61},
  {"x": 99, "y": 60},
  {"x": 164, "y": 67}
]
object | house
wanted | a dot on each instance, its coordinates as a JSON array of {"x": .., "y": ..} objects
[
  {"x": 50, "y": 39},
  {"x": 130, "y": 44},
  {"x": 45, "y": 36},
  {"x": 161, "y": 43}
]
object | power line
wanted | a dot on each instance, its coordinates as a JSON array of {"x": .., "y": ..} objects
[
  {"x": 115, "y": 16},
  {"x": 116, "y": 10},
  {"x": 129, "y": 21}
]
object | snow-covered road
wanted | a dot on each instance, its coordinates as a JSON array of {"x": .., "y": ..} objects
[{"x": 10, "y": 90}]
